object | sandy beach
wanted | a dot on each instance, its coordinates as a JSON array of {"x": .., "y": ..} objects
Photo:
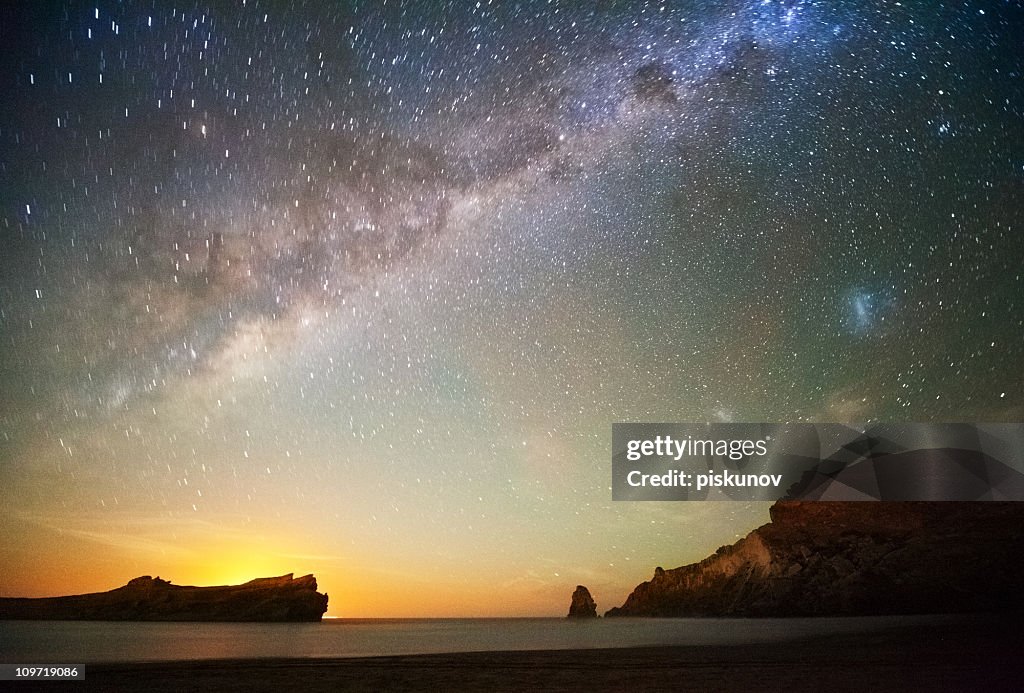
[{"x": 974, "y": 657}]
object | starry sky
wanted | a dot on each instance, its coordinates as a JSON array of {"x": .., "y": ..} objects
[{"x": 359, "y": 288}]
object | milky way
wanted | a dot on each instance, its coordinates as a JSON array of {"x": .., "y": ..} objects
[{"x": 363, "y": 287}]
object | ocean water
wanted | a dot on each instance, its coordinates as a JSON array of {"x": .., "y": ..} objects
[{"x": 96, "y": 641}]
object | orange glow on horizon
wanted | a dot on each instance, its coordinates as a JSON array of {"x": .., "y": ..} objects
[
  {"x": 241, "y": 567},
  {"x": 358, "y": 584}
]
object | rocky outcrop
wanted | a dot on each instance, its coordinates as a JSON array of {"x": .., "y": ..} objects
[
  {"x": 853, "y": 558},
  {"x": 145, "y": 598},
  {"x": 583, "y": 605}
]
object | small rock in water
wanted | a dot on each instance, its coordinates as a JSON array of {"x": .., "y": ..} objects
[{"x": 583, "y": 605}]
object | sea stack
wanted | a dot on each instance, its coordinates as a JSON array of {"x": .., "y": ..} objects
[{"x": 583, "y": 605}]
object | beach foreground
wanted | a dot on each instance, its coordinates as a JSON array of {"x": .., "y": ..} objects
[{"x": 974, "y": 656}]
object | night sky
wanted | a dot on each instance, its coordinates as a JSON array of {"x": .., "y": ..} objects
[{"x": 359, "y": 288}]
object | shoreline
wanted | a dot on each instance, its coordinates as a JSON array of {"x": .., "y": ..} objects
[{"x": 978, "y": 656}]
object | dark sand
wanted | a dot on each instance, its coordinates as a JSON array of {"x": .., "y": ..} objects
[{"x": 975, "y": 656}]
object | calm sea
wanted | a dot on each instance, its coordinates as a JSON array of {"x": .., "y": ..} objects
[{"x": 94, "y": 641}]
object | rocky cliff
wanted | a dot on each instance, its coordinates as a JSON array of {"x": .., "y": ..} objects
[
  {"x": 583, "y": 605},
  {"x": 151, "y": 599},
  {"x": 855, "y": 558}
]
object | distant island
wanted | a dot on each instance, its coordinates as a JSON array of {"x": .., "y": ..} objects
[
  {"x": 146, "y": 598},
  {"x": 852, "y": 559}
]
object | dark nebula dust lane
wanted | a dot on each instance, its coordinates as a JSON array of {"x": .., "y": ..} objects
[{"x": 388, "y": 271}]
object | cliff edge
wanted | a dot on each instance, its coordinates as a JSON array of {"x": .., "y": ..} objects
[
  {"x": 851, "y": 559},
  {"x": 146, "y": 598}
]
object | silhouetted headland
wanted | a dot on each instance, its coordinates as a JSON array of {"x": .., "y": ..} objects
[
  {"x": 853, "y": 559},
  {"x": 146, "y": 598}
]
